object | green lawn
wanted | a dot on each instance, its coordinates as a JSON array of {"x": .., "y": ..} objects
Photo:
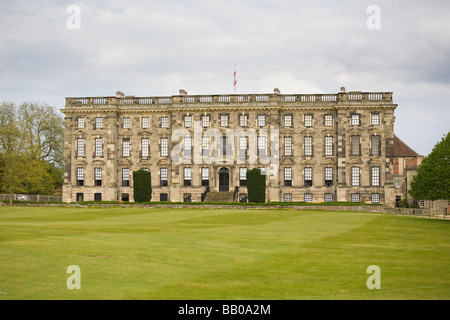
[{"x": 136, "y": 253}]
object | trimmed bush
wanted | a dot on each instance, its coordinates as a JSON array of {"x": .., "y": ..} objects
[
  {"x": 142, "y": 183},
  {"x": 256, "y": 186}
]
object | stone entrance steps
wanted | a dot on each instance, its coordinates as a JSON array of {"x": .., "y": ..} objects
[{"x": 214, "y": 196}]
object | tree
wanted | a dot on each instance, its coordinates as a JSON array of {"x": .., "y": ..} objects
[
  {"x": 432, "y": 181},
  {"x": 256, "y": 186},
  {"x": 142, "y": 185}
]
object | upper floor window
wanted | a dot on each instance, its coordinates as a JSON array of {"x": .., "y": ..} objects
[
  {"x": 163, "y": 172},
  {"x": 308, "y": 147},
  {"x": 261, "y": 120},
  {"x": 80, "y": 176},
  {"x": 98, "y": 147},
  {"x": 126, "y": 123},
  {"x": 80, "y": 123},
  {"x": 261, "y": 146},
  {"x": 98, "y": 176},
  {"x": 328, "y": 146},
  {"x": 126, "y": 147},
  {"x": 356, "y": 119},
  {"x": 188, "y": 121},
  {"x": 242, "y": 177},
  {"x": 308, "y": 120},
  {"x": 328, "y": 176},
  {"x": 125, "y": 177},
  {"x": 164, "y": 122},
  {"x": 355, "y": 176},
  {"x": 375, "y": 145},
  {"x": 80, "y": 147},
  {"x": 355, "y": 146},
  {"x": 187, "y": 176},
  {"x": 308, "y": 176},
  {"x": 205, "y": 176},
  {"x": 288, "y": 146},
  {"x": 288, "y": 120},
  {"x": 145, "y": 146},
  {"x": 375, "y": 118},
  {"x": 224, "y": 120},
  {"x": 145, "y": 123},
  {"x": 164, "y": 147},
  {"x": 205, "y": 121},
  {"x": 98, "y": 123},
  {"x": 328, "y": 120},
  {"x": 375, "y": 176},
  {"x": 243, "y": 120},
  {"x": 288, "y": 177}
]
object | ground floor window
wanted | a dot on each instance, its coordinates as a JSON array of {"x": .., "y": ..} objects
[
  {"x": 187, "y": 197},
  {"x": 328, "y": 197},
  {"x": 375, "y": 198},
  {"x": 125, "y": 197},
  {"x": 97, "y": 197},
  {"x": 287, "y": 197},
  {"x": 308, "y": 197},
  {"x": 355, "y": 197},
  {"x": 80, "y": 197},
  {"x": 163, "y": 197}
]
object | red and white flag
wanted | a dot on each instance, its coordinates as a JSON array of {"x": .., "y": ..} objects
[{"x": 234, "y": 78}]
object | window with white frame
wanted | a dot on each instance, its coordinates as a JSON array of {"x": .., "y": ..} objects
[
  {"x": 288, "y": 146},
  {"x": 125, "y": 177},
  {"x": 355, "y": 197},
  {"x": 355, "y": 176},
  {"x": 261, "y": 146},
  {"x": 287, "y": 197},
  {"x": 205, "y": 176},
  {"x": 375, "y": 145},
  {"x": 187, "y": 146},
  {"x": 164, "y": 147},
  {"x": 288, "y": 120},
  {"x": 163, "y": 176},
  {"x": 126, "y": 123},
  {"x": 328, "y": 146},
  {"x": 145, "y": 147},
  {"x": 98, "y": 147},
  {"x": 287, "y": 177},
  {"x": 242, "y": 146},
  {"x": 308, "y": 197},
  {"x": 80, "y": 176},
  {"x": 242, "y": 177},
  {"x": 375, "y": 198},
  {"x": 375, "y": 118},
  {"x": 308, "y": 176},
  {"x": 328, "y": 197},
  {"x": 243, "y": 120},
  {"x": 328, "y": 176},
  {"x": 187, "y": 176},
  {"x": 145, "y": 122},
  {"x": 126, "y": 147},
  {"x": 355, "y": 145},
  {"x": 308, "y": 147},
  {"x": 187, "y": 121},
  {"x": 308, "y": 119},
  {"x": 224, "y": 120},
  {"x": 80, "y": 123},
  {"x": 98, "y": 176},
  {"x": 375, "y": 176},
  {"x": 356, "y": 119},
  {"x": 205, "y": 121},
  {"x": 261, "y": 120},
  {"x": 328, "y": 120},
  {"x": 164, "y": 122},
  {"x": 80, "y": 147},
  {"x": 206, "y": 141},
  {"x": 98, "y": 123}
]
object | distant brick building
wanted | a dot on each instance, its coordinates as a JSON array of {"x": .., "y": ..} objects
[{"x": 313, "y": 147}]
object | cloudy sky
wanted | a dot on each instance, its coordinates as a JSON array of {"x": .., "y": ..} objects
[{"x": 156, "y": 47}]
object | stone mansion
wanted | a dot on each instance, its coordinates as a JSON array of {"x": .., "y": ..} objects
[{"x": 311, "y": 147}]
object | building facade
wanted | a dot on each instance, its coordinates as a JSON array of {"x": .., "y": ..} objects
[{"x": 312, "y": 147}]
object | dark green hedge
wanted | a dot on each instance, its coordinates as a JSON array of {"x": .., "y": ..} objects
[
  {"x": 256, "y": 186},
  {"x": 142, "y": 183}
]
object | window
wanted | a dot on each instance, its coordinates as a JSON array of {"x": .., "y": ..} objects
[
  {"x": 375, "y": 175},
  {"x": 205, "y": 146},
  {"x": 205, "y": 121},
  {"x": 97, "y": 197},
  {"x": 328, "y": 120},
  {"x": 126, "y": 147},
  {"x": 224, "y": 120},
  {"x": 163, "y": 197},
  {"x": 355, "y": 176},
  {"x": 97, "y": 177},
  {"x": 125, "y": 177},
  {"x": 261, "y": 120},
  {"x": 125, "y": 197},
  {"x": 145, "y": 147},
  {"x": 80, "y": 197},
  {"x": 187, "y": 197},
  {"x": 375, "y": 198},
  {"x": 375, "y": 119},
  {"x": 355, "y": 146},
  {"x": 355, "y": 197},
  {"x": 308, "y": 197},
  {"x": 288, "y": 146},
  {"x": 397, "y": 183},
  {"x": 243, "y": 120},
  {"x": 242, "y": 146},
  {"x": 126, "y": 123},
  {"x": 421, "y": 203},
  {"x": 187, "y": 176},
  {"x": 287, "y": 177},
  {"x": 375, "y": 145},
  {"x": 242, "y": 177},
  {"x": 164, "y": 147},
  {"x": 328, "y": 197},
  {"x": 98, "y": 147},
  {"x": 80, "y": 147},
  {"x": 308, "y": 176},
  {"x": 98, "y": 123},
  {"x": 261, "y": 146},
  {"x": 187, "y": 146},
  {"x": 163, "y": 172},
  {"x": 205, "y": 176},
  {"x": 288, "y": 120},
  {"x": 145, "y": 123},
  {"x": 80, "y": 176},
  {"x": 164, "y": 122},
  {"x": 328, "y": 146},
  {"x": 224, "y": 146},
  {"x": 308, "y": 120},
  {"x": 356, "y": 119},
  {"x": 188, "y": 121},
  {"x": 80, "y": 123},
  {"x": 308, "y": 146},
  {"x": 328, "y": 176},
  {"x": 287, "y": 197}
]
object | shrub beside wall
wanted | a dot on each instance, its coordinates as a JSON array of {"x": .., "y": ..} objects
[
  {"x": 142, "y": 184},
  {"x": 256, "y": 186}
]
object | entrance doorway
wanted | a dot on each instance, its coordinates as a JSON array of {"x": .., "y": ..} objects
[{"x": 224, "y": 180}]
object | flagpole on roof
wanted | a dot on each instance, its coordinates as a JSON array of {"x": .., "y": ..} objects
[{"x": 234, "y": 79}]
